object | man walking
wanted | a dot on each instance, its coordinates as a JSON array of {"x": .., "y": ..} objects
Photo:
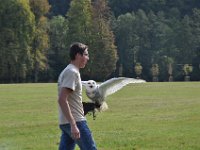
[{"x": 71, "y": 114}]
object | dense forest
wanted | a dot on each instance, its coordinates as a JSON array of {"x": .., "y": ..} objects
[{"x": 157, "y": 40}]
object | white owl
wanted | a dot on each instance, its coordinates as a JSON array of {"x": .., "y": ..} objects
[{"x": 97, "y": 93}]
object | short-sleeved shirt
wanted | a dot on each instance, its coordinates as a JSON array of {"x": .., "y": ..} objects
[{"x": 70, "y": 78}]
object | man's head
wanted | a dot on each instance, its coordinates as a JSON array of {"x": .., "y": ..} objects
[
  {"x": 79, "y": 53},
  {"x": 77, "y": 48}
]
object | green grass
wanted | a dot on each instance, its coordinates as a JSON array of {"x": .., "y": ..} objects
[{"x": 151, "y": 116}]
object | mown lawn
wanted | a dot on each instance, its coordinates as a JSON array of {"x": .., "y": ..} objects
[{"x": 151, "y": 116}]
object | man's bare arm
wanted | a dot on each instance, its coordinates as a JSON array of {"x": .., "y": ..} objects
[{"x": 63, "y": 102}]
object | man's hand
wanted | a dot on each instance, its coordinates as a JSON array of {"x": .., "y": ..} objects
[{"x": 75, "y": 133}]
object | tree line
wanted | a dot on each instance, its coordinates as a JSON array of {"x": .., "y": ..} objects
[{"x": 153, "y": 40}]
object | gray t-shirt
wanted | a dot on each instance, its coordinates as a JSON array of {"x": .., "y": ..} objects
[{"x": 70, "y": 78}]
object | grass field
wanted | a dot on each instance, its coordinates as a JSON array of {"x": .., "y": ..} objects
[{"x": 151, "y": 116}]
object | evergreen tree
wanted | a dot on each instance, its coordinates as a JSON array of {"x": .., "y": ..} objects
[{"x": 104, "y": 53}]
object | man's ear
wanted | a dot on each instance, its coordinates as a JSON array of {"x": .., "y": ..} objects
[{"x": 78, "y": 55}]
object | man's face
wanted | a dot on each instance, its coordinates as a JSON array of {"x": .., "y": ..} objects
[{"x": 84, "y": 59}]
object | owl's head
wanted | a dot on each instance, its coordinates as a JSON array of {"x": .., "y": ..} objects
[{"x": 90, "y": 85}]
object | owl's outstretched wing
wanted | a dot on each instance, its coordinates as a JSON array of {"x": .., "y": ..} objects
[{"x": 114, "y": 84}]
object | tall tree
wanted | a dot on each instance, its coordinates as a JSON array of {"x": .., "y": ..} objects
[
  {"x": 41, "y": 39},
  {"x": 57, "y": 53},
  {"x": 127, "y": 42},
  {"x": 195, "y": 25},
  {"x": 16, "y": 32},
  {"x": 80, "y": 21},
  {"x": 160, "y": 41},
  {"x": 104, "y": 52},
  {"x": 145, "y": 53},
  {"x": 88, "y": 22},
  {"x": 184, "y": 42}
]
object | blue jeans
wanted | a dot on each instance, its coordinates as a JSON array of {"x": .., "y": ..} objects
[{"x": 85, "y": 142}]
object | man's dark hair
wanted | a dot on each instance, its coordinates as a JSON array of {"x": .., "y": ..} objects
[{"x": 76, "y": 48}]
